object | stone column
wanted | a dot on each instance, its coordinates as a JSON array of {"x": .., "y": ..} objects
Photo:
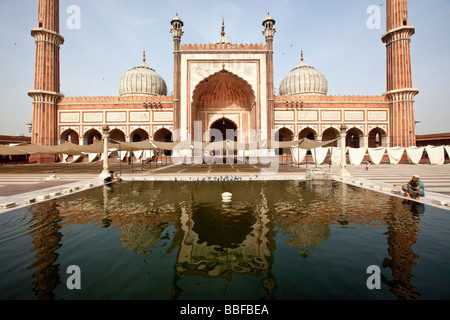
[
  {"x": 343, "y": 172},
  {"x": 105, "y": 171}
]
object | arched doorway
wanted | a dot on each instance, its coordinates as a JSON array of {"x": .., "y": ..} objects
[
  {"x": 223, "y": 129},
  {"x": 283, "y": 134},
  {"x": 70, "y": 136},
  {"x": 117, "y": 135},
  {"x": 307, "y": 133},
  {"x": 376, "y": 138},
  {"x": 139, "y": 135},
  {"x": 353, "y": 138},
  {"x": 164, "y": 135},
  {"x": 92, "y": 136},
  {"x": 331, "y": 134}
]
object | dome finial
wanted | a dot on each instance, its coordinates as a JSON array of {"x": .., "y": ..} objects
[
  {"x": 223, "y": 27},
  {"x": 301, "y": 58},
  {"x": 223, "y": 39},
  {"x": 143, "y": 57}
]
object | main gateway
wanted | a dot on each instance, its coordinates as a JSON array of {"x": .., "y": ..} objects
[{"x": 224, "y": 86}]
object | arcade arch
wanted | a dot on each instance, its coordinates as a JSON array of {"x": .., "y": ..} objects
[
  {"x": 92, "y": 136},
  {"x": 307, "y": 133},
  {"x": 71, "y": 136},
  {"x": 377, "y": 138},
  {"x": 331, "y": 134},
  {"x": 117, "y": 135},
  {"x": 163, "y": 135},
  {"x": 354, "y": 138},
  {"x": 139, "y": 135},
  {"x": 283, "y": 134}
]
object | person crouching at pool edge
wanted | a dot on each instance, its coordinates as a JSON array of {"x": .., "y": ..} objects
[
  {"x": 111, "y": 177},
  {"x": 414, "y": 188}
]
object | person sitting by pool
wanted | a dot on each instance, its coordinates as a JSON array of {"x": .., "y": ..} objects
[
  {"x": 414, "y": 188},
  {"x": 110, "y": 178}
]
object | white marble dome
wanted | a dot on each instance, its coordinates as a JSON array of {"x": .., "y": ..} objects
[
  {"x": 142, "y": 81},
  {"x": 304, "y": 80}
]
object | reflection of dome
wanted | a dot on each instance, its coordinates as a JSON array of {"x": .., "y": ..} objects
[
  {"x": 305, "y": 80},
  {"x": 225, "y": 230},
  {"x": 142, "y": 80}
]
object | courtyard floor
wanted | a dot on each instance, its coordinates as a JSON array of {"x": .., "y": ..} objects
[{"x": 23, "y": 184}]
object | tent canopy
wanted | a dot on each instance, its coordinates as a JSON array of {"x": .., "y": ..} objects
[
  {"x": 97, "y": 147},
  {"x": 11, "y": 150},
  {"x": 134, "y": 146}
]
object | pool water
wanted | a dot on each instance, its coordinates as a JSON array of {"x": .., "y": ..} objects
[{"x": 279, "y": 240}]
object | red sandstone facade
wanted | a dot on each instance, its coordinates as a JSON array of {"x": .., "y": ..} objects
[
  {"x": 399, "y": 80},
  {"x": 227, "y": 85}
]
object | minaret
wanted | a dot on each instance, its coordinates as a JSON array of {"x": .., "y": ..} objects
[
  {"x": 46, "y": 91},
  {"x": 269, "y": 33},
  {"x": 176, "y": 32},
  {"x": 399, "y": 80}
]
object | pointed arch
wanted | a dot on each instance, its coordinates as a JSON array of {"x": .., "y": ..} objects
[
  {"x": 117, "y": 134},
  {"x": 308, "y": 133},
  {"x": 223, "y": 89},
  {"x": 91, "y": 136},
  {"x": 331, "y": 134},
  {"x": 139, "y": 135},
  {"x": 377, "y": 138},
  {"x": 163, "y": 135},
  {"x": 223, "y": 125},
  {"x": 354, "y": 137},
  {"x": 71, "y": 136},
  {"x": 283, "y": 134}
]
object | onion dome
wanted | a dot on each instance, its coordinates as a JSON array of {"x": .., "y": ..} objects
[
  {"x": 142, "y": 81},
  {"x": 304, "y": 80}
]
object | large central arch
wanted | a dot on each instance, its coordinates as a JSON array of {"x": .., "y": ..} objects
[
  {"x": 224, "y": 95},
  {"x": 223, "y": 90}
]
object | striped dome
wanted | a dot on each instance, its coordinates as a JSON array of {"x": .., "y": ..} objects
[
  {"x": 142, "y": 81},
  {"x": 304, "y": 80}
]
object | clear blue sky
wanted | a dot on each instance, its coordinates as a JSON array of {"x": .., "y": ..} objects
[{"x": 333, "y": 34}]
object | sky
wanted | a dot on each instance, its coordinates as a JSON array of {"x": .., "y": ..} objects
[{"x": 341, "y": 39}]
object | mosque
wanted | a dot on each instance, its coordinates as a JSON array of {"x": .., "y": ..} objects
[{"x": 224, "y": 86}]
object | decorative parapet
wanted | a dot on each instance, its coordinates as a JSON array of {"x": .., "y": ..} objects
[
  {"x": 331, "y": 99},
  {"x": 221, "y": 46},
  {"x": 116, "y": 99}
]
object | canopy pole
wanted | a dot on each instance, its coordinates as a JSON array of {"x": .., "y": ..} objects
[
  {"x": 120, "y": 159},
  {"x": 105, "y": 171},
  {"x": 315, "y": 157}
]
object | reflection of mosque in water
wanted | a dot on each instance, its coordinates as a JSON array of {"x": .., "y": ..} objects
[{"x": 219, "y": 241}]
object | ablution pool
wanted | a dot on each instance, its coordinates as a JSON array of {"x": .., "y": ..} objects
[{"x": 280, "y": 240}]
